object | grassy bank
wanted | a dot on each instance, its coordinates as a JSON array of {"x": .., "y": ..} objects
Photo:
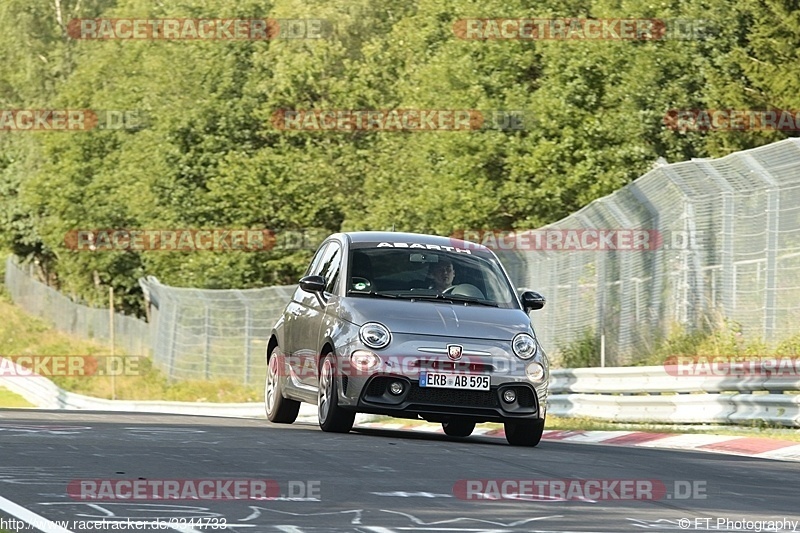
[
  {"x": 9, "y": 399},
  {"x": 21, "y": 334}
]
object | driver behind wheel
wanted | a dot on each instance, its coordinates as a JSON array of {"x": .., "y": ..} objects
[{"x": 441, "y": 274}]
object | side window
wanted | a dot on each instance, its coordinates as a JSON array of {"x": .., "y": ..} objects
[
  {"x": 315, "y": 269},
  {"x": 331, "y": 266}
]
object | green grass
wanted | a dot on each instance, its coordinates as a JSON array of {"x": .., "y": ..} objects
[
  {"x": 22, "y": 334},
  {"x": 9, "y": 399},
  {"x": 720, "y": 338}
]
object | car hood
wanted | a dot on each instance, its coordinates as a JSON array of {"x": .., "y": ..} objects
[{"x": 437, "y": 318}]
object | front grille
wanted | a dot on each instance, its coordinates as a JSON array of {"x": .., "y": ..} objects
[
  {"x": 454, "y": 397},
  {"x": 453, "y": 366}
]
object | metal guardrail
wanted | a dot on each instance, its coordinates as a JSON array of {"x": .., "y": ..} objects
[
  {"x": 628, "y": 394},
  {"x": 651, "y": 394},
  {"x": 43, "y": 393}
]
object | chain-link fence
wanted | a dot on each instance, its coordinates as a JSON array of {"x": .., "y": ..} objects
[
  {"x": 192, "y": 334},
  {"x": 131, "y": 334},
  {"x": 725, "y": 243},
  {"x": 204, "y": 334}
]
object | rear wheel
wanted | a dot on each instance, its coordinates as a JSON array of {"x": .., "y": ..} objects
[
  {"x": 524, "y": 432},
  {"x": 331, "y": 417},
  {"x": 279, "y": 409},
  {"x": 458, "y": 428}
]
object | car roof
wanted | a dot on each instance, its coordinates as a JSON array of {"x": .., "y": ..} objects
[{"x": 419, "y": 238}]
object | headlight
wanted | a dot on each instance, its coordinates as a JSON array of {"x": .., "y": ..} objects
[
  {"x": 524, "y": 346},
  {"x": 375, "y": 335},
  {"x": 534, "y": 372}
]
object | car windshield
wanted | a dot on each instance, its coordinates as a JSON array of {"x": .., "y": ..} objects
[{"x": 463, "y": 278}]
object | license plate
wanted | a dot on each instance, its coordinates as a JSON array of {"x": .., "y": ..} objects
[{"x": 453, "y": 381}]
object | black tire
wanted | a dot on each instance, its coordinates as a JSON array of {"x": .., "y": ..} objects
[
  {"x": 524, "y": 432},
  {"x": 458, "y": 428},
  {"x": 331, "y": 417},
  {"x": 279, "y": 409}
]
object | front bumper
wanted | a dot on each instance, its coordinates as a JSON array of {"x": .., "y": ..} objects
[
  {"x": 367, "y": 392},
  {"x": 431, "y": 403}
]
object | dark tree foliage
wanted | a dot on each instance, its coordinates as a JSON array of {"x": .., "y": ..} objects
[{"x": 209, "y": 155}]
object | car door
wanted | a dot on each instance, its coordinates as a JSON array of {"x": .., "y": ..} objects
[
  {"x": 294, "y": 319},
  {"x": 311, "y": 313}
]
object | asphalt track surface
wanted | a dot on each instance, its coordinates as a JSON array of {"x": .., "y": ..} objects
[{"x": 368, "y": 480}]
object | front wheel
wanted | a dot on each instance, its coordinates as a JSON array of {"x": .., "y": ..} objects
[
  {"x": 458, "y": 428},
  {"x": 331, "y": 417},
  {"x": 279, "y": 409},
  {"x": 524, "y": 432}
]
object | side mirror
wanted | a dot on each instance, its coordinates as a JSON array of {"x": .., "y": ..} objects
[
  {"x": 532, "y": 301},
  {"x": 312, "y": 283}
]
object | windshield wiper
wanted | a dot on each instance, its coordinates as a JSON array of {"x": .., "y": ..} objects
[
  {"x": 372, "y": 294},
  {"x": 452, "y": 298},
  {"x": 423, "y": 296},
  {"x": 469, "y": 299}
]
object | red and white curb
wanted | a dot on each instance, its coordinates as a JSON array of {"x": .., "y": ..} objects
[{"x": 781, "y": 450}]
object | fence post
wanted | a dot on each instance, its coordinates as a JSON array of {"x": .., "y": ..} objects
[
  {"x": 771, "y": 274},
  {"x": 626, "y": 313},
  {"x": 207, "y": 347},
  {"x": 726, "y": 246},
  {"x": 695, "y": 297},
  {"x": 173, "y": 335},
  {"x": 247, "y": 325},
  {"x": 111, "y": 339},
  {"x": 600, "y": 302},
  {"x": 773, "y": 228},
  {"x": 654, "y": 314}
]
